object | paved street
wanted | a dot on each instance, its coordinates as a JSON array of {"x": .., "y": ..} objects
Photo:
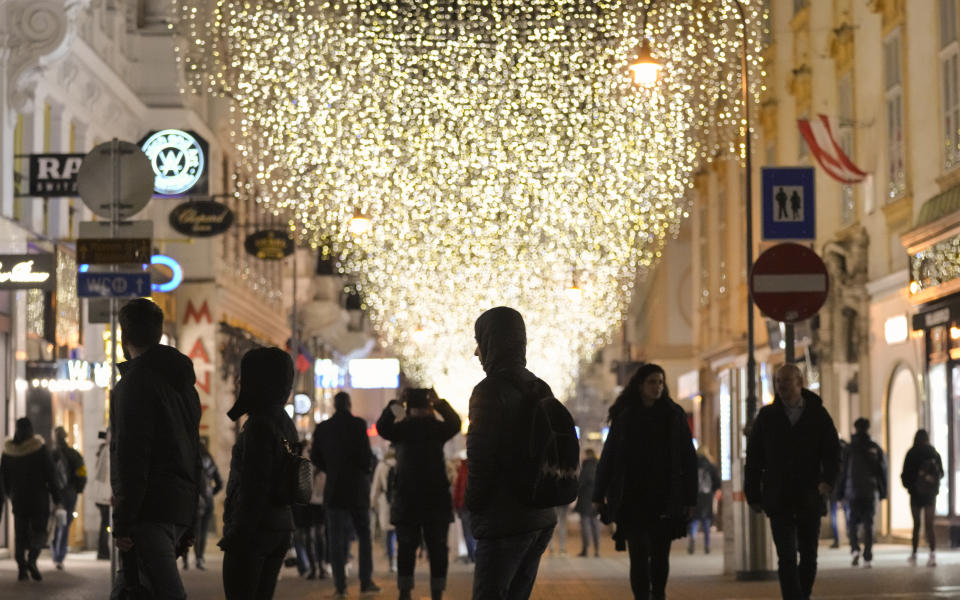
[{"x": 692, "y": 578}]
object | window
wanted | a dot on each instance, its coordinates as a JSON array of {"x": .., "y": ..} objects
[
  {"x": 704, "y": 257},
  {"x": 893, "y": 99},
  {"x": 950, "y": 83},
  {"x": 845, "y": 137}
]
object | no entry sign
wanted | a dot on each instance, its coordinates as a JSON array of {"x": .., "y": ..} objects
[{"x": 789, "y": 283}]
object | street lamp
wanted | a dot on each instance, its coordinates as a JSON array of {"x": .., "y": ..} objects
[
  {"x": 645, "y": 70},
  {"x": 360, "y": 223},
  {"x": 755, "y": 567}
]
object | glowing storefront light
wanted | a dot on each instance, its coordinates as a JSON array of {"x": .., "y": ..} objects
[{"x": 373, "y": 373}]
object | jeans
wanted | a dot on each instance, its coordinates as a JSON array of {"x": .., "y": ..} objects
[
  {"x": 927, "y": 510},
  {"x": 250, "y": 572},
  {"x": 562, "y": 512},
  {"x": 61, "y": 533},
  {"x": 153, "y": 561},
  {"x": 103, "y": 541},
  {"x": 792, "y": 534},
  {"x": 649, "y": 549},
  {"x": 507, "y": 567},
  {"x": 469, "y": 541},
  {"x": 589, "y": 531},
  {"x": 695, "y": 525},
  {"x": 390, "y": 542},
  {"x": 861, "y": 513},
  {"x": 30, "y": 534},
  {"x": 305, "y": 547},
  {"x": 339, "y": 521},
  {"x": 834, "y": 505},
  {"x": 434, "y": 534}
]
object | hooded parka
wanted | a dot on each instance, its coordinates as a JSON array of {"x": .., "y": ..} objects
[
  {"x": 155, "y": 441},
  {"x": 27, "y": 477},
  {"x": 786, "y": 463},
  {"x": 496, "y": 411}
]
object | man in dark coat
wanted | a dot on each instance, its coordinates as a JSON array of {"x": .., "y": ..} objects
[
  {"x": 72, "y": 478},
  {"x": 864, "y": 480},
  {"x": 589, "y": 530},
  {"x": 26, "y": 473},
  {"x": 793, "y": 458},
  {"x": 154, "y": 453},
  {"x": 511, "y": 536},
  {"x": 422, "y": 507},
  {"x": 341, "y": 449}
]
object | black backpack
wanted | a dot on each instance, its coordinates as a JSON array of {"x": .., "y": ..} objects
[
  {"x": 547, "y": 454},
  {"x": 927, "y": 481}
]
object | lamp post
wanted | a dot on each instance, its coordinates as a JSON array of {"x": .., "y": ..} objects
[{"x": 645, "y": 71}]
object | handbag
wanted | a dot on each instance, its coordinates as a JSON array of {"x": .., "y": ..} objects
[{"x": 297, "y": 476}]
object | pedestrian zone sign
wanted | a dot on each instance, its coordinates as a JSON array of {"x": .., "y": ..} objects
[{"x": 788, "y": 204}]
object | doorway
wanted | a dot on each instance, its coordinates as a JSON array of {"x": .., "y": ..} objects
[{"x": 903, "y": 420}]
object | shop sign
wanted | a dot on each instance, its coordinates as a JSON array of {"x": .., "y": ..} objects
[
  {"x": 113, "y": 285},
  {"x": 27, "y": 272},
  {"x": 53, "y": 175},
  {"x": 201, "y": 218},
  {"x": 931, "y": 319},
  {"x": 272, "y": 244},
  {"x": 113, "y": 251},
  {"x": 179, "y": 161}
]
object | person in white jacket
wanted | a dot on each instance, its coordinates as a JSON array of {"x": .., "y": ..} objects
[
  {"x": 381, "y": 491},
  {"x": 98, "y": 490}
]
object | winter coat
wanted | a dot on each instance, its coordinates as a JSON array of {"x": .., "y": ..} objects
[
  {"x": 99, "y": 488},
  {"x": 864, "y": 472},
  {"x": 253, "y": 514},
  {"x": 28, "y": 478},
  {"x": 460, "y": 486},
  {"x": 708, "y": 482},
  {"x": 422, "y": 488},
  {"x": 210, "y": 481},
  {"x": 73, "y": 473},
  {"x": 341, "y": 449},
  {"x": 588, "y": 479},
  {"x": 916, "y": 456},
  {"x": 378, "y": 491},
  {"x": 155, "y": 441},
  {"x": 497, "y": 406},
  {"x": 648, "y": 467},
  {"x": 785, "y": 463}
]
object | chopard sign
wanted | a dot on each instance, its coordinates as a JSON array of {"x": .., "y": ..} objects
[
  {"x": 201, "y": 218},
  {"x": 27, "y": 271}
]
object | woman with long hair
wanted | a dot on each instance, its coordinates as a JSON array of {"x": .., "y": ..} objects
[
  {"x": 922, "y": 471},
  {"x": 647, "y": 478}
]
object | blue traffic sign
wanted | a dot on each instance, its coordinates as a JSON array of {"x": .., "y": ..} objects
[
  {"x": 788, "y": 203},
  {"x": 113, "y": 285}
]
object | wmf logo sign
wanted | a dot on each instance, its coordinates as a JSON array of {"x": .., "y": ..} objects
[{"x": 179, "y": 161}]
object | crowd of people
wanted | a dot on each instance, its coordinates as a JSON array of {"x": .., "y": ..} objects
[{"x": 155, "y": 481}]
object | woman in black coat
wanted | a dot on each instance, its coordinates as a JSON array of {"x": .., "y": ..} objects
[
  {"x": 27, "y": 476},
  {"x": 647, "y": 478},
  {"x": 922, "y": 471},
  {"x": 257, "y": 520},
  {"x": 422, "y": 506}
]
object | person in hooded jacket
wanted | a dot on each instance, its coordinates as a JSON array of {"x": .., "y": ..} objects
[
  {"x": 422, "y": 506},
  {"x": 864, "y": 477},
  {"x": 921, "y": 475},
  {"x": 154, "y": 455},
  {"x": 27, "y": 478},
  {"x": 511, "y": 536},
  {"x": 72, "y": 477},
  {"x": 708, "y": 482},
  {"x": 793, "y": 460},
  {"x": 589, "y": 530},
  {"x": 257, "y": 520},
  {"x": 647, "y": 478},
  {"x": 211, "y": 483}
]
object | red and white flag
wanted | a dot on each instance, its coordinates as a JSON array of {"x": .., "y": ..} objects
[{"x": 827, "y": 151}]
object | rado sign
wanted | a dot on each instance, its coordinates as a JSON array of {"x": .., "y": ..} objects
[
  {"x": 27, "y": 271},
  {"x": 272, "y": 244},
  {"x": 201, "y": 218}
]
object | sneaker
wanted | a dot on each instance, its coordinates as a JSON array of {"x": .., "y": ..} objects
[
  {"x": 58, "y": 565},
  {"x": 932, "y": 561},
  {"x": 856, "y": 559},
  {"x": 369, "y": 588},
  {"x": 835, "y": 544},
  {"x": 912, "y": 559},
  {"x": 338, "y": 595},
  {"x": 201, "y": 564},
  {"x": 866, "y": 564}
]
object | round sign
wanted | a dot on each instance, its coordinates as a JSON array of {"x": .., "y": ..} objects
[
  {"x": 177, "y": 161},
  {"x": 789, "y": 282},
  {"x": 95, "y": 180},
  {"x": 201, "y": 218}
]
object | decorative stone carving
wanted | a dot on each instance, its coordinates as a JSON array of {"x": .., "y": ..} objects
[
  {"x": 841, "y": 46},
  {"x": 801, "y": 86},
  {"x": 35, "y": 33}
]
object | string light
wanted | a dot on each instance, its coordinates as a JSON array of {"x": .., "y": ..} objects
[{"x": 498, "y": 145}]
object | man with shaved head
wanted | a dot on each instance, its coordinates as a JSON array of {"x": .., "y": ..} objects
[{"x": 793, "y": 457}]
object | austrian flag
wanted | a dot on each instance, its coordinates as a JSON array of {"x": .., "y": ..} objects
[{"x": 827, "y": 151}]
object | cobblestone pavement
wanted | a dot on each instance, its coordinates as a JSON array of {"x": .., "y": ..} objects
[{"x": 561, "y": 578}]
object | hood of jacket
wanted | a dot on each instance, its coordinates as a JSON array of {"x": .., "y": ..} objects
[
  {"x": 167, "y": 362},
  {"x": 810, "y": 400},
  {"x": 28, "y": 446},
  {"x": 266, "y": 378},
  {"x": 502, "y": 339}
]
